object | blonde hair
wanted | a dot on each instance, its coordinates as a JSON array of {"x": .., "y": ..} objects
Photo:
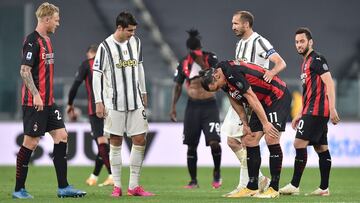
[{"x": 46, "y": 10}]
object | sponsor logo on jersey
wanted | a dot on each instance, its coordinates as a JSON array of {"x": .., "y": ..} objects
[{"x": 127, "y": 63}]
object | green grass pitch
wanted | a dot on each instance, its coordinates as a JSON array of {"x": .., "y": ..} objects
[{"x": 167, "y": 183}]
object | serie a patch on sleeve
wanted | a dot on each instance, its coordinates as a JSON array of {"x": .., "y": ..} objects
[{"x": 28, "y": 56}]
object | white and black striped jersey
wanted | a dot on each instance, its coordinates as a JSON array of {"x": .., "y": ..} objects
[
  {"x": 256, "y": 49},
  {"x": 118, "y": 74}
]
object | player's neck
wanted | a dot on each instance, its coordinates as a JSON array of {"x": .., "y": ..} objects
[
  {"x": 41, "y": 29},
  {"x": 247, "y": 34},
  {"x": 308, "y": 53},
  {"x": 118, "y": 37}
]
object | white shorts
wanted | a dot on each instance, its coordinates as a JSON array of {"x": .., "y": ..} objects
[
  {"x": 129, "y": 122},
  {"x": 232, "y": 125}
]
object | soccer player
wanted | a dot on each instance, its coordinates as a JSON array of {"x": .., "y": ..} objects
[
  {"x": 120, "y": 98},
  {"x": 40, "y": 113},
  {"x": 270, "y": 103},
  {"x": 84, "y": 73},
  {"x": 201, "y": 112},
  {"x": 253, "y": 48},
  {"x": 311, "y": 123}
]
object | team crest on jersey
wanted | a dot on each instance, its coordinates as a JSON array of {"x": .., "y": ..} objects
[
  {"x": 127, "y": 63},
  {"x": 239, "y": 85},
  {"x": 125, "y": 52}
]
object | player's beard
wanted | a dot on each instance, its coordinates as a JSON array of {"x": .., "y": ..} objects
[{"x": 306, "y": 50}]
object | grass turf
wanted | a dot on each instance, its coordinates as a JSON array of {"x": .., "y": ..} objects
[{"x": 167, "y": 183}]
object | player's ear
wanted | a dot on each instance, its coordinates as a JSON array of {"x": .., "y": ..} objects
[{"x": 311, "y": 42}]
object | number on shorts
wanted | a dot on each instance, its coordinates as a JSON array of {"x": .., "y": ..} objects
[
  {"x": 300, "y": 124},
  {"x": 273, "y": 117},
  {"x": 58, "y": 114},
  {"x": 214, "y": 125}
]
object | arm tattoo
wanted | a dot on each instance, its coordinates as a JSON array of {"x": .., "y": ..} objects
[{"x": 25, "y": 73}]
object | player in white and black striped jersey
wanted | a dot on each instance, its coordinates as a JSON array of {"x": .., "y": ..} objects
[
  {"x": 253, "y": 48},
  {"x": 120, "y": 97}
]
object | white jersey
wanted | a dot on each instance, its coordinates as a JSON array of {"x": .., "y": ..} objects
[
  {"x": 255, "y": 49},
  {"x": 118, "y": 74}
]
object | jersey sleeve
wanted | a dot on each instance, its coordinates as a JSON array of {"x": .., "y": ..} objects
[
  {"x": 82, "y": 71},
  {"x": 320, "y": 65},
  {"x": 99, "y": 67},
  {"x": 179, "y": 76},
  {"x": 237, "y": 79},
  {"x": 30, "y": 52},
  {"x": 265, "y": 49}
]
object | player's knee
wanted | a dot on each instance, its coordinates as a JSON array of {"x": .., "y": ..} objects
[
  {"x": 30, "y": 142},
  {"x": 102, "y": 140},
  {"x": 234, "y": 144},
  {"x": 214, "y": 144},
  {"x": 138, "y": 140},
  {"x": 320, "y": 148}
]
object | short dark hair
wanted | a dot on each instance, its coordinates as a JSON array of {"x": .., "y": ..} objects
[
  {"x": 304, "y": 30},
  {"x": 124, "y": 19},
  {"x": 92, "y": 48},
  {"x": 246, "y": 16},
  {"x": 207, "y": 78},
  {"x": 194, "y": 40}
]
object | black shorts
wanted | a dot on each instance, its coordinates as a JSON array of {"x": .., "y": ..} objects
[
  {"x": 201, "y": 115},
  {"x": 277, "y": 114},
  {"x": 313, "y": 128},
  {"x": 36, "y": 123},
  {"x": 97, "y": 126}
]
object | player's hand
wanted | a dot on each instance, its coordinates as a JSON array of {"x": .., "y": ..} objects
[
  {"x": 270, "y": 130},
  {"x": 295, "y": 121},
  {"x": 38, "y": 104},
  {"x": 268, "y": 76},
  {"x": 334, "y": 117},
  {"x": 100, "y": 110},
  {"x": 172, "y": 115},
  {"x": 69, "y": 109},
  {"x": 247, "y": 130}
]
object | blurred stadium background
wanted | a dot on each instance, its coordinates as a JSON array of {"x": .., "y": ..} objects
[{"x": 335, "y": 25}]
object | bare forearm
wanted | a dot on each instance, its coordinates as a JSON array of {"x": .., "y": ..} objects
[
  {"x": 28, "y": 80},
  {"x": 280, "y": 64},
  {"x": 256, "y": 106},
  {"x": 176, "y": 95},
  {"x": 331, "y": 94},
  {"x": 239, "y": 109}
]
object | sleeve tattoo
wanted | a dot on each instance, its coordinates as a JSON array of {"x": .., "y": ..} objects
[{"x": 28, "y": 80}]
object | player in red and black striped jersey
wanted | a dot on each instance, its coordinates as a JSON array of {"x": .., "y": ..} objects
[
  {"x": 311, "y": 123},
  {"x": 201, "y": 112},
  {"x": 40, "y": 113},
  {"x": 270, "y": 102},
  {"x": 85, "y": 73}
]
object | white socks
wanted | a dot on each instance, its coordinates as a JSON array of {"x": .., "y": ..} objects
[
  {"x": 115, "y": 164},
  {"x": 136, "y": 160}
]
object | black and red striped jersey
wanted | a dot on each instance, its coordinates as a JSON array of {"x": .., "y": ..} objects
[
  {"x": 188, "y": 69},
  {"x": 240, "y": 76},
  {"x": 38, "y": 53},
  {"x": 315, "y": 100},
  {"x": 84, "y": 73}
]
